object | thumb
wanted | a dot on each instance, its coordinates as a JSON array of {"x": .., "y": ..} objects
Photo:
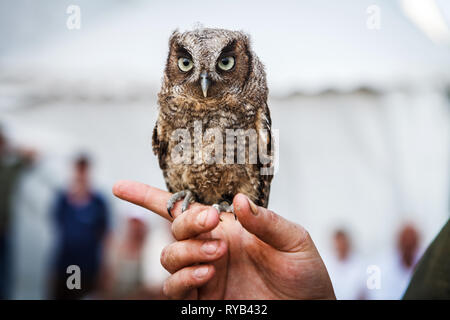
[{"x": 269, "y": 227}]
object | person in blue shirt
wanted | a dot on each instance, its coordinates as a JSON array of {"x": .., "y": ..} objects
[{"x": 81, "y": 218}]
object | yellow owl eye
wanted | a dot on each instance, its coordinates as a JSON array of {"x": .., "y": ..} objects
[
  {"x": 226, "y": 63},
  {"x": 185, "y": 64}
]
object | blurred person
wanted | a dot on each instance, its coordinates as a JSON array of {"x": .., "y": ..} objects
[
  {"x": 123, "y": 273},
  {"x": 345, "y": 269},
  {"x": 397, "y": 268},
  {"x": 408, "y": 246},
  {"x": 12, "y": 163},
  {"x": 81, "y": 219},
  {"x": 154, "y": 273}
]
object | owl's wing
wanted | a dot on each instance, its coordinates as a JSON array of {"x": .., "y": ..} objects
[
  {"x": 160, "y": 146},
  {"x": 265, "y": 146}
]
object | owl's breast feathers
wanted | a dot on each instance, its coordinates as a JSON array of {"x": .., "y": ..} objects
[{"x": 213, "y": 182}]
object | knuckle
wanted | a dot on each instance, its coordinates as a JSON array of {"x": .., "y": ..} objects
[
  {"x": 178, "y": 228},
  {"x": 185, "y": 225},
  {"x": 168, "y": 259},
  {"x": 302, "y": 232},
  {"x": 306, "y": 235},
  {"x": 187, "y": 281},
  {"x": 169, "y": 289},
  {"x": 302, "y": 240},
  {"x": 162, "y": 258},
  {"x": 273, "y": 217},
  {"x": 174, "y": 227}
]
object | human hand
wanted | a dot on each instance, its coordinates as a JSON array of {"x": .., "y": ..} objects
[{"x": 259, "y": 256}]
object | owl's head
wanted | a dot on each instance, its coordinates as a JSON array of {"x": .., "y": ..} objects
[{"x": 208, "y": 63}]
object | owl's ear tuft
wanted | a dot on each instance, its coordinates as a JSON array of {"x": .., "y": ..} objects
[
  {"x": 244, "y": 45},
  {"x": 174, "y": 37},
  {"x": 246, "y": 39},
  {"x": 173, "y": 43}
]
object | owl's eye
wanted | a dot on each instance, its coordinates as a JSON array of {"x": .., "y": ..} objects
[
  {"x": 226, "y": 63},
  {"x": 185, "y": 64}
]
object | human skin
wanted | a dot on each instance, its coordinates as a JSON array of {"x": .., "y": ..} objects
[{"x": 258, "y": 255}]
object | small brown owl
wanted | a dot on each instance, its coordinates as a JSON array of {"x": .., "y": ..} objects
[{"x": 213, "y": 80}]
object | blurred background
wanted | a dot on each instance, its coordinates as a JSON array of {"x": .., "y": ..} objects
[{"x": 359, "y": 90}]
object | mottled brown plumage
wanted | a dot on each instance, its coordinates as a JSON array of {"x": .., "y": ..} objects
[{"x": 236, "y": 99}]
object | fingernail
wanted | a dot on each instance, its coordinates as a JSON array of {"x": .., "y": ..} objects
[
  {"x": 253, "y": 207},
  {"x": 210, "y": 247},
  {"x": 201, "y": 272},
  {"x": 201, "y": 218}
]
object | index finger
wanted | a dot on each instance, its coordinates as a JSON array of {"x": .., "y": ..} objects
[{"x": 148, "y": 197}]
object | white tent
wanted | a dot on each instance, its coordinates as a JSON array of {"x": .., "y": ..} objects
[{"x": 306, "y": 45}]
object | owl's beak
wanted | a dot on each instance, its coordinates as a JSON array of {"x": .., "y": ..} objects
[{"x": 204, "y": 83}]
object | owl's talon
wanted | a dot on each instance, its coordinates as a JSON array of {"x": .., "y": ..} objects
[
  {"x": 188, "y": 197},
  {"x": 224, "y": 207},
  {"x": 217, "y": 207}
]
